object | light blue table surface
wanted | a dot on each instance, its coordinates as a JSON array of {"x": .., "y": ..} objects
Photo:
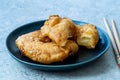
[{"x": 14, "y": 13}]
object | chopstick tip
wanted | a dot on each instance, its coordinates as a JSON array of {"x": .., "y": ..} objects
[{"x": 119, "y": 66}]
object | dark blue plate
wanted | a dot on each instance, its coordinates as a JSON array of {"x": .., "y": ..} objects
[{"x": 84, "y": 56}]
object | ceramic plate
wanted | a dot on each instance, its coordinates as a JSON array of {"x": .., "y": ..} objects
[{"x": 83, "y": 57}]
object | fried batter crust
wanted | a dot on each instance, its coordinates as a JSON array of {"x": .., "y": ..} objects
[
  {"x": 58, "y": 29},
  {"x": 87, "y": 36},
  {"x": 32, "y": 46}
]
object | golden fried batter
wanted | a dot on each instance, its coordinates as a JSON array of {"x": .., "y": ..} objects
[
  {"x": 58, "y": 29},
  {"x": 87, "y": 35},
  {"x": 32, "y": 46},
  {"x": 46, "y": 28},
  {"x": 58, "y": 39}
]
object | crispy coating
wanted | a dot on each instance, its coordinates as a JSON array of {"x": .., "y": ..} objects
[
  {"x": 58, "y": 29},
  {"x": 33, "y": 46},
  {"x": 58, "y": 39},
  {"x": 87, "y": 35}
]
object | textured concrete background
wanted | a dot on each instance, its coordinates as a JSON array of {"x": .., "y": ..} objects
[{"x": 14, "y": 13}]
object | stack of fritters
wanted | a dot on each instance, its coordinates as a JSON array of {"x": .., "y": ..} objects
[{"x": 57, "y": 39}]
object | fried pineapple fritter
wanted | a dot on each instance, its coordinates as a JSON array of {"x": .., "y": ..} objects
[
  {"x": 58, "y": 29},
  {"x": 44, "y": 52},
  {"x": 87, "y": 36},
  {"x": 57, "y": 39}
]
